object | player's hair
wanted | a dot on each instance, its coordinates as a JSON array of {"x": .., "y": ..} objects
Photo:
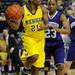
[{"x": 49, "y": 1}]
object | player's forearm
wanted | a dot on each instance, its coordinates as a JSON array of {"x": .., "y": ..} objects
[
  {"x": 63, "y": 31},
  {"x": 43, "y": 27}
]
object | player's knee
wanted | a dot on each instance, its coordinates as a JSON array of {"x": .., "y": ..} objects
[{"x": 60, "y": 66}]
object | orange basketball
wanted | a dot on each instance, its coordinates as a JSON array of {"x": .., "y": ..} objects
[{"x": 14, "y": 11}]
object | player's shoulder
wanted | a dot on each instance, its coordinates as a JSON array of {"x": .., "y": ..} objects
[
  {"x": 63, "y": 16},
  {"x": 71, "y": 16},
  {"x": 44, "y": 9}
]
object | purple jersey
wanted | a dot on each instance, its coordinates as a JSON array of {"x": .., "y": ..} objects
[
  {"x": 71, "y": 52},
  {"x": 72, "y": 23},
  {"x": 51, "y": 35}
]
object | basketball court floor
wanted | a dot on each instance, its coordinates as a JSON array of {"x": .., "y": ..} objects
[{"x": 52, "y": 72}]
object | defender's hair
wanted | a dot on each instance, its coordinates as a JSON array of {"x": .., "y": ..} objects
[{"x": 49, "y": 0}]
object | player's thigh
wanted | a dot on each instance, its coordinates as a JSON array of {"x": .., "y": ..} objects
[
  {"x": 71, "y": 53},
  {"x": 41, "y": 52},
  {"x": 30, "y": 45},
  {"x": 48, "y": 51},
  {"x": 59, "y": 54}
]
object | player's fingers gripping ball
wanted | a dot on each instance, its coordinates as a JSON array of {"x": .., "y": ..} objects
[{"x": 14, "y": 11}]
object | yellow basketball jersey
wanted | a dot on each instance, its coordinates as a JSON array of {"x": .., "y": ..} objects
[{"x": 32, "y": 22}]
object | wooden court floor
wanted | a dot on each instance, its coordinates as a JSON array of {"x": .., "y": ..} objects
[{"x": 52, "y": 72}]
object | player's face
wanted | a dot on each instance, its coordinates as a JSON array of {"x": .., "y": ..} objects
[
  {"x": 73, "y": 7},
  {"x": 52, "y": 5},
  {"x": 14, "y": 24}
]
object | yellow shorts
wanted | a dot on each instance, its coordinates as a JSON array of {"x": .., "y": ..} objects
[
  {"x": 24, "y": 56},
  {"x": 35, "y": 47},
  {"x": 3, "y": 56}
]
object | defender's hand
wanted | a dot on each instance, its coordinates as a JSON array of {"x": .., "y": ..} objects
[{"x": 43, "y": 27}]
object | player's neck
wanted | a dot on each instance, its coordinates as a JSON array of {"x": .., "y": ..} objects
[
  {"x": 32, "y": 6},
  {"x": 52, "y": 13}
]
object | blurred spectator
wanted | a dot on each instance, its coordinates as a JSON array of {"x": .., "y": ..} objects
[
  {"x": 5, "y": 3},
  {"x": 45, "y": 2},
  {"x": 60, "y": 4}
]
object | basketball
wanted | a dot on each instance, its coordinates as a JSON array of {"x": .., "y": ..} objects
[{"x": 14, "y": 11}]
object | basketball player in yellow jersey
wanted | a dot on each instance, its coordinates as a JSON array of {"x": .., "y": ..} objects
[
  {"x": 33, "y": 40},
  {"x": 3, "y": 52}
]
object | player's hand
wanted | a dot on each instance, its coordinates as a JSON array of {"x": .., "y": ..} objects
[
  {"x": 55, "y": 27},
  {"x": 14, "y": 24},
  {"x": 43, "y": 27}
]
